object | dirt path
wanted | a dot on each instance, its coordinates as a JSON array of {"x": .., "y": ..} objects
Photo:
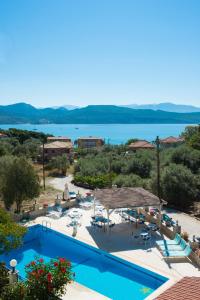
[
  {"x": 188, "y": 223},
  {"x": 59, "y": 183}
]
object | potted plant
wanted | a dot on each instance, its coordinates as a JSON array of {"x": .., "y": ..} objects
[{"x": 185, "y": 236}]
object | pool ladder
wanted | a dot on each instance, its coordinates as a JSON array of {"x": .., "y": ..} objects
[{"x": 46, "y": 225}]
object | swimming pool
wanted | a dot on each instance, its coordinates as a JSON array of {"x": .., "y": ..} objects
[{"x": 111, "y": 276}]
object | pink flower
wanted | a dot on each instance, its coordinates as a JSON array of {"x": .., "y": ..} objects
[
  {"x": 62, "y": 260},
  {"x": 40, "y": 271},
  {"x": 55, "y": 264},
  {"x": 49, "y": 277},
  {"x": 63, "y": 270},
  {"x": 41, "y": 260}
]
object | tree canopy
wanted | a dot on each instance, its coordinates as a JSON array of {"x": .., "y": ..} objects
[
  {"x": 11, "y": 233},
  {"x": 20, "y": 182}
]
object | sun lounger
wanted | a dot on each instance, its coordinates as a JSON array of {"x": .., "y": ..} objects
[
  {"x": 175, "y": 241},
  {"x": 179, "y": 247},
  {"x": 177, "y": 254}
]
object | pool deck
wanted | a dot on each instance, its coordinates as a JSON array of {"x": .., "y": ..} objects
[{"x": 120, "y": 241}]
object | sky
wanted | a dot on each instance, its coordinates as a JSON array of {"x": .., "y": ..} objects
[{"x": 84, "y": 52}]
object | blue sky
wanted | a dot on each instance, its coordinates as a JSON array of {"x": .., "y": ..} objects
[{"x": 81, "y": 52}]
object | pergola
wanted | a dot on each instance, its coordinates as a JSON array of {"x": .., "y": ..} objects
[{"x": 127, "y": 197}]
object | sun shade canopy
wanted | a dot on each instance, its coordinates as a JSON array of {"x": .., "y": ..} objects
[{"x": 112, "y": 198}]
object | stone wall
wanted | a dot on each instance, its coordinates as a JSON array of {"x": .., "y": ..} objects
[{"x": 40, "y": 211}]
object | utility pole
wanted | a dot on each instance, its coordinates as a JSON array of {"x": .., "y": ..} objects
[
  {"x": 158, "y": 166},
  {"x": 43, "y": 171},
  {"x": 110, "y": 168}
]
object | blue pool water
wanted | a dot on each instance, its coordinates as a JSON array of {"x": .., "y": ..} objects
[{"x": 113, "y": 277}]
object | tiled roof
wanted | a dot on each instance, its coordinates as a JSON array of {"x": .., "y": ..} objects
[
  {"x": 141, "y": 144},
  {"x": 172, "y": 139},
  {"x": 3, "y": 135},
  {"x": 58, "y": 144},
  {"x": 188, "y": 288},
  {"x": 58, "y": 138},
  {"x": 90, "y": 138}
]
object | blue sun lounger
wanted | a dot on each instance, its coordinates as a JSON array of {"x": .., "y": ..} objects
[
  {"x": 173, "y": 247},
  {"x": 175, "y": 241},
  {"x": 178, "y": 254}
]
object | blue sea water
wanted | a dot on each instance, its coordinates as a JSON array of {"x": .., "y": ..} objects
[
  {"x": 112, "y": 133},
  {"x": 95, "y": 269}
]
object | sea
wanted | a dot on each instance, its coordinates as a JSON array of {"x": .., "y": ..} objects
[{"x": 111, "y": 133}]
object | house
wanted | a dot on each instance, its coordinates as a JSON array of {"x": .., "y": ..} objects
[
  {"x": 90, "y": 142},
  {"x": 57, "y": 148},
  {"x": 3, "y": 136},
  {"x": 58, "y": 138},
  {"x": 171, "y": 141},
  {"x": 141, "y": 144}
]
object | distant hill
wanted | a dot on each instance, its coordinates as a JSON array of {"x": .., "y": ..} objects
[
  {"x": 93, "y": 114},
  {"x": 170, "y": 107},
  {"x": 69, "y": 107}
]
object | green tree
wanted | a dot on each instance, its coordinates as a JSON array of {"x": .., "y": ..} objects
[
  {"x": 179, "y": 186},
  {"x": 130, "y": 141},
  {"x": 192, "y": 136},
  {"x": 131, "y": 180},
  {"x": 11, "y": 233},
  {"x": 139, "y": 166},
  {"x": 5, "y": 148},
  {"x": 20, "y": 183},
  {"x": 60, "y": 163},
  {"x": 188, "y": 157}
]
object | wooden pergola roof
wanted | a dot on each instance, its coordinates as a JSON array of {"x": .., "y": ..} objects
[{"x": 112, "y": 198}]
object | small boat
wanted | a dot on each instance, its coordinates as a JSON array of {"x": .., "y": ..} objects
[{"x": 76, "y": 128}]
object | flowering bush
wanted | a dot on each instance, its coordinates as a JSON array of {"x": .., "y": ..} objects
[{"x": 48, "y": 280}]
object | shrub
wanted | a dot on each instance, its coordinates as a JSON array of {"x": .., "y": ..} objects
[
  {"x": 3, "y": 276},
  {"x": 93, "y": 182},
  {"x": 46, "y": 280},
  {"x": 128, "y": 181},
  {"x": 14, "y": 291},
  {"x": 139, "y": 166}
]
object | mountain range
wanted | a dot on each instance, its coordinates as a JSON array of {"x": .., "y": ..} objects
[
  {"x": 166, "y": 106},
  {"x": 92, "y": 114}
]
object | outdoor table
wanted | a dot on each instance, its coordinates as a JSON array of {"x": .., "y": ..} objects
[
  {"x": 102, "y": 220},
  {"x": 152, "y": 226},
  {"x": 143, "y": 234}
]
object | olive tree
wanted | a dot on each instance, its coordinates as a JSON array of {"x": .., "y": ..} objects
[
  {"x": 20, "y": 183},
  {"x": 179, "y": 185},
  {"x": 60, "y": 163}
]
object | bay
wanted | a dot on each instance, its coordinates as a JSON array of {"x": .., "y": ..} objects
[{"x": 112, "y": 133}]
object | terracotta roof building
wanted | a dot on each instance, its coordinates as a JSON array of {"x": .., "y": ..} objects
[
  {"x": 141, "y": 144},
  {"x": 90, "y": 142},
  {"x": 171, "y": 140},
  {"x": 188, "y": 288},
  {"x": 57, "y": 148},
  {"x": 3, "y": 135},
  {"x": 58, "y": 138}
]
